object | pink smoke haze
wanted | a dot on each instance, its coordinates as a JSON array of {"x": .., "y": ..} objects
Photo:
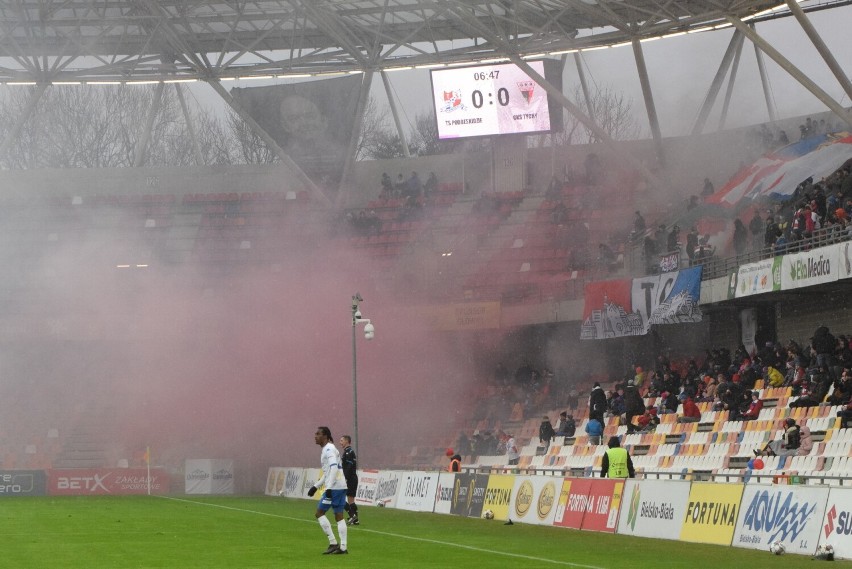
[{"x": 242, "y": 365}]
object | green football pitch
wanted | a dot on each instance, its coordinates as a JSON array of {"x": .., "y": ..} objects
[{"x": 232, "y": 532}]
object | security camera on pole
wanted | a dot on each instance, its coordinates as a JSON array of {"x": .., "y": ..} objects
[{"x": 369, "y": 334}]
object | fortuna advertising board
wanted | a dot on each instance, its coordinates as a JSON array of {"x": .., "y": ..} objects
[
  {"x": 836, "y": 529},
  {"x": 498, "y": 495},
  {"x": 588, "y": 503},
  {"x": 654, "y": 508},
  {"x": 789, "y": 514},
  {"x": 368, "y": 483},
  {"x": 417, "y": 491},
  {"x": 711, "y": 513},
  {"x": 534, "y": 499}
]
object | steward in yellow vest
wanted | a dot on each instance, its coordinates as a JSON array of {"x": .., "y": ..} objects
[{"x": 616, "y": 461}]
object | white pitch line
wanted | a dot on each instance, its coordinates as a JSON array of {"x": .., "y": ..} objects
[{"x": 399, "y": 536}]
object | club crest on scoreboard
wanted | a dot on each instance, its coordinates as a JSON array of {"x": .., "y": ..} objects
[{"x": 452, "y": 101}]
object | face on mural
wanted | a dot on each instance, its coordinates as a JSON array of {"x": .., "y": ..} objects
[{"x": 301, "y": 119}]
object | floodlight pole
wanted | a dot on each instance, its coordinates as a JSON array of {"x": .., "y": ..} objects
[
  {"x": 368, "y": 332},
  {"x": 356, "y": 299}
]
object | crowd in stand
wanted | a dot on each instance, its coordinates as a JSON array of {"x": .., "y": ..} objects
[
  {"x": 816, "y": 373},
  {"x": 819, "y": 372}
]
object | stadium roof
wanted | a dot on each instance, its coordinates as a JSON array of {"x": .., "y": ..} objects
[{"x": 148, "y": 40}]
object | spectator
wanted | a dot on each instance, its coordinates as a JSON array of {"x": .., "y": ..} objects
[
  {"x": 691, "y": 244},
  {"x": 606, "y": 256},
  {"x": 597, "y": 403},
  {"x": 638, "y": 224},
  {"x": 842, "y": 393},
  {"x": 691, "y": 412},
  {"x": 463, "y": 444},
  {"x": 771, "y": 231},
  {"x": 673, "y": 240},
  {"x": 594, "y": 430},
  {"x": 773, "y": 377},
  {"x": 545, "y": 432},
  {"x": 755, "y": 227},
  {"x": 823, "y": 344},
  {"x": 740, "y": 237},
  {"x": 806, "y": 442},
  {"x": 668, "y": 403},
  {"x": 708, "y": 189},
  {"x": 431, "y": 184},
  {"x": 786, "y": 446},
  {"x": 455, "y": 461},
  {"x": 845, "y": 416},
  {"x": 754, "y": 408},
  {"x": 566, "y": 426},
  {"x": 512, "y": 454},
  {"x": 646, "y": 422},
  {"x": 616, "y": 405},
  {"x": 616, "y": 461},
  {"x": 633, "y": 405}
]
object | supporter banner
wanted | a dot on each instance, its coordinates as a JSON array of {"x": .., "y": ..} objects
[
  {"x": 810, "y": 268},
  {"x": 789, "y": 514},
  {"x": 387, "y": 488},
  {"x": 209, "y": 476},
  {"x": 670, "y": 262},
  {"x": 99, "y": 481},
  {"x": 711, "y": 513},
  {"x": 844, "y": 260},
  {"x": 778, "y": 173},
  {"x": 23, "y": 483},
  {"x": 758, "y": 278},
  {"x": 445, "y": 492},
  {"x": 417, "y": 491},
  {"x": 748, "y": 329},
  {"x": 654, "y": 508},
  {"x": 498, "y": 495},
  {"x": 629, "y": 308},
  {"x": 589, "y": 503},
  {"x": 368, "y": 484},
  {"x": 463, "y": 316},
  {"x": 836, "y": 528},
  {"x": 311, "y": 121},
  {"x": 534, "y": 499}
]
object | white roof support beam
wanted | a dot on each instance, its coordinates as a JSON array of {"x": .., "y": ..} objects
[
  {"x": 794, "y": 71},
  {"x": 648, "y": 96},
  {"x": 820, "y": 46}
]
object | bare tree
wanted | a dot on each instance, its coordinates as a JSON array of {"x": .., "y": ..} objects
[
  {"x": 425, "y": 140},
  {"x": 611, "y": 111},
  {"x": 99, "y": 127}
]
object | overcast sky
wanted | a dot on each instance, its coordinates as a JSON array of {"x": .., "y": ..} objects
[{"x": 681, "y": 69}]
